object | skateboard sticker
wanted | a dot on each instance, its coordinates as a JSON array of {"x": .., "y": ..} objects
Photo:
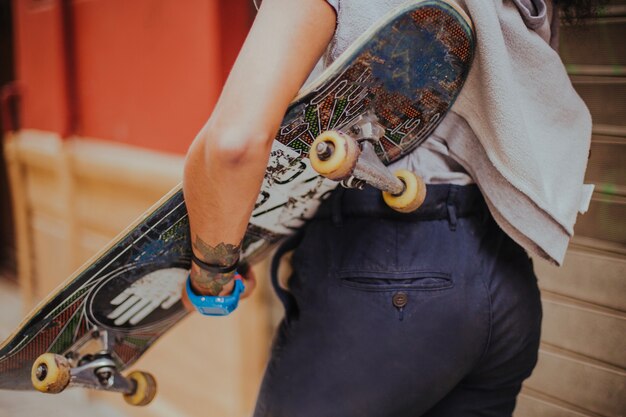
[{"x": 290, "y": 194}]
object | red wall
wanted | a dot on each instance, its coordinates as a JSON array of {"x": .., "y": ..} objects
[
  {"x": 141, "y": 72},
  {"x": 40, "y": 66}
]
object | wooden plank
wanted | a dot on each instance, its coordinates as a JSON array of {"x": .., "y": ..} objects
[
  {"x": 52, "y": 255},
  {"x": 20, "y": 221},
  {"x": 49, "y": 189},
  {"x": 39, "y": 154},
  {"x": 42, "y": 189},
  {"x": 609, "y": 130},
  {"x": 604, "y": 70},
  {"x": 613, "y": 9},
  {"x": 580, "y": 381},
  {"x": 67, "y": 196},
  {"x": 583, "y": 328},
  {"x": 605, "y": 218},
  {"x": 95, "y": 201},
  {"x": 605, "y": 97},
  {"x": 594, "y": 278},
  {"x": 607, "y": 165},
  {"x": 126, "y": 166},
  {"x": 533, "y": 404},
  {"x": 598, "y": 247},
  {"x": 118, "y": 178},
  {"x": 599, "y": 42}
]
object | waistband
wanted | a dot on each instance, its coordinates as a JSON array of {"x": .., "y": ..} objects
[{"x": 443, "y": 201}]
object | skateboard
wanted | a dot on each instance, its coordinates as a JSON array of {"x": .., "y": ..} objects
[{"x": 377, "y": 102}]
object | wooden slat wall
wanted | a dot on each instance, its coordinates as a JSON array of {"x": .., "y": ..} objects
[{"x": 582, "y": 361}]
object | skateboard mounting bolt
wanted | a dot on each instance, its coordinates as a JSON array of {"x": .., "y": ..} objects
[
  {"x": 355, "y": 129},
  {"x": 42, "y": 372},
  {"x": 324, "y": 150},
  {"x": 403, "y": 188},
  {"x": 104, "y": 375}
]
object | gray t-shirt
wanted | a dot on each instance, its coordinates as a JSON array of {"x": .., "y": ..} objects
[{"x": 432, "y": 160}]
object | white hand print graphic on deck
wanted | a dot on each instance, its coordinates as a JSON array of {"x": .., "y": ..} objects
[{"x": 161, "y": 288}]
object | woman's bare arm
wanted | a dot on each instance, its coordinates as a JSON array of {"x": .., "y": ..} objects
[{"x": 226, "y": 161}]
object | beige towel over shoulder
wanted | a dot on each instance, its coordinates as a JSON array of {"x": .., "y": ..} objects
[
  {"x": 533, "y": 128},
  {"x": 518, "y": 128}
]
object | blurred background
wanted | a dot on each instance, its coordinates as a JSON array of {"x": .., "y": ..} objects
[{"x": 99, "y": 101}]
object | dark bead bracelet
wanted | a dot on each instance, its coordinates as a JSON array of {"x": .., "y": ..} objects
[{"x": 216, "y": 269}]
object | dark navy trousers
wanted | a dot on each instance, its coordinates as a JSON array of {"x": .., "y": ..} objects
[{"x": 434, "y": 313}]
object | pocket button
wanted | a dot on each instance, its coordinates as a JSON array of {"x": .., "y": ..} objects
[{"x": 400, "y": 299}]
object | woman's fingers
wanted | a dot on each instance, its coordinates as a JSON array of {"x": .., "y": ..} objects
[{"x": 249, "y": 281}]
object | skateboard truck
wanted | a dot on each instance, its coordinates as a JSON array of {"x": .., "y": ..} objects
[
  {"x": 351, "y": 159},
  {"x": 52, "y": 373}
]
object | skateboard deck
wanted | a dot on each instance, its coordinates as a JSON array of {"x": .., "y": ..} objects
[{"x": 407, "y": 70}]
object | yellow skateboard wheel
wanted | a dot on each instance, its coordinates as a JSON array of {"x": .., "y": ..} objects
[
  {"x": 145, "y": 388},
  {"x": 413, "y": 195},
  {"x": 50, "y": 373},
  {"x": 339, "y": 158}
]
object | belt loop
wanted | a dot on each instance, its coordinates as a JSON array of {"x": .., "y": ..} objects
[
  {"x": 451, "y": 207},
  {"x": 335, "y": 212}
]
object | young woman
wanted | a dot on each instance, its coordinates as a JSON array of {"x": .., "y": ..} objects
[{"x": 442, "y": 315}]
